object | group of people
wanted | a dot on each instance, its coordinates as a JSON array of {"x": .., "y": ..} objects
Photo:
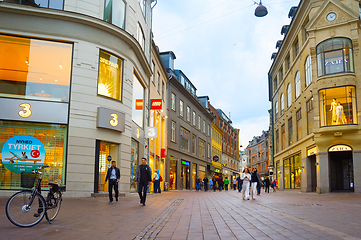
[{"x": 216, "y": 182}]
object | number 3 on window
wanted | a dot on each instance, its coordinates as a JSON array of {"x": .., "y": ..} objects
[
  {"x": 114, "y": 120},
  {"x": 25, "y": 112}
]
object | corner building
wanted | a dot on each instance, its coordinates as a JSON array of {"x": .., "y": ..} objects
[
  {"x": 71, "y": 72},
  {"x": 314, "y": 85}
]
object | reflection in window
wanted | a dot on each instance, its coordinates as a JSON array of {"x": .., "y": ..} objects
[
  {"x": 289, "y": 95},
  {"x": 188, "y": 114},
  {"x": 54, "y": 4},
  {"x": 276, "y": 111},
  {"x": 338, "y": 106},
  {"x": 35, "y": 69},
  {"x": 277, "y": 141},
  {"x": 184, "y": 139},
  {"x": 334, "y": 56},
  {"x": 298, "y": 84},
  {"x": 283, "y": 143},
  {"x": 114, "y": 12},
  {"x": 290, "y": 132},
  {"x": 310, "y": 119},
  {"x": 194, "y": 118},
  {"x": 282, "y": 103},
  {"x": 109, "y": 79},
  {"x": 292, "y": 169},
  {"x": 299, "y": 124},
  {"x": 194, "y": 144},
  {"x": 138, "y": 94},
  {"x": 173, "y": 102},
  {"x": 201, "y": 150},
  {"x": 181, "y": 111},
  {"x": 173, "y": 132},
  {"x": 308, "y": 70},
  {"x": 140, "y": 37}
]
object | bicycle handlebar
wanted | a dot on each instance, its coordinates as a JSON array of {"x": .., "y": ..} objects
[{"x": 39, "y": 168}]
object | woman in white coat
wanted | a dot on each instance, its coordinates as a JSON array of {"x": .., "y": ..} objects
[{"x": 246, "y": 177}]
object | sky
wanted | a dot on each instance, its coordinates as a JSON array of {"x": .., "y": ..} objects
[{"x": 225, "y": 51}]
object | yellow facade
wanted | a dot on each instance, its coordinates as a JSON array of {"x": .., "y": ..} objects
[
  {"x": 315, "y": 92},
  {"x": 217, "y": 145}
]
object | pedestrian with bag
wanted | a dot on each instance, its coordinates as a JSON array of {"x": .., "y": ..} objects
[
  {"x": 274, "y": 185},
  {"x": 240, "y": 182},
  {"x": 205, "y": 183},
  {"x": 234, "y": 183},
  {"x": 156, "y": 180},
  {"x": 226, "y": 183},
  {"x": 246, "y": 178},
  {"x": 198, "y": 183},
  {"x": 255, "y": 180},
  {"x": 266, "y": 184},
  {"x": 113, "y": 175},
  {"x": 143, "y": 177}
]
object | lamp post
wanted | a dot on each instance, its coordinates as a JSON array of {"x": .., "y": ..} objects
[{"x": 261, "y": 10}]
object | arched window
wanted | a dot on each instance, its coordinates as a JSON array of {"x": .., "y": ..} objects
[
  {"x": 334, "y": 56},
  {"x": 289, "y": 95},
  {"x": 298, "y": 84},
  {"x": 282, "y": 103},
  {"x": 308, "y": 70},
  {"x": 276, "y": 111}
]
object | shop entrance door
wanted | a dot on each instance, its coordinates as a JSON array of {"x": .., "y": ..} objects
[
  {"x": 341, "y": 168},
  {"x": 312, "y": 159},
  {"x": 185, "y": 177}
]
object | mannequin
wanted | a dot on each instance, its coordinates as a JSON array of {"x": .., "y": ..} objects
[
  {"x": 333, "y": 110},
  {"x": 341, "y": 118}
]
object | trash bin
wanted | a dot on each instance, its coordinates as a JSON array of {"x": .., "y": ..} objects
[{"x": 166, "y": 186}]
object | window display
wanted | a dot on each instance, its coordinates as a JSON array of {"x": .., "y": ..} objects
[
  {"x": 338, "y": 106},
  {"x": 292, "y": 169},
  {"x": 35, "y": 69},
  {"x": 334, "y": 56}
]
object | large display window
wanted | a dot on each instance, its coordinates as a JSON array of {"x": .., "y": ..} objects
[
  {"x": 338, "y": 106},
  {"x": 54, "y": 139},
  {"x": 35, "y": 69},
  {"x": 334, "y": 56},
  {"x": 292, "y": 172},
  {"x": 134, "y": 162}
]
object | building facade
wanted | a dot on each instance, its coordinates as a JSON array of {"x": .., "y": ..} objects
[
  {"x": 258, "y": 153},
  {"x": 189, "y": 130},
  {"x": 314, "y": 86},
  {"x": 217, "y": 135},
  {"x": 71, "y": 85}
]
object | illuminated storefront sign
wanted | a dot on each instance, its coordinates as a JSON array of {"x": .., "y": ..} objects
[
  {"x": 139, "y": 104},
  {"x": 23, "y": 154},
  {"x": 151, "y": 132},
  {"x": 339, "y": 148},
  {"x": 25, "y": 112},
  {"x": 185, "y": 163},
  {"x": 110, "y": 119},
  {"x": 311, "y": 151},
  {"x": 156, "y": 104},
  {"x": 215, "y": 158}
]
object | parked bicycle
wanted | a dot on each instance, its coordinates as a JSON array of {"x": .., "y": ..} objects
[{"x": 28, "y": 207}]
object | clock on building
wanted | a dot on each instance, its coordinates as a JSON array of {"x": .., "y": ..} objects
[{"x": 331, "y": 16}]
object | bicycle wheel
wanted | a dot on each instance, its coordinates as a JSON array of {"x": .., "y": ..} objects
[
  {"x": 53, "y": 205},
  {"x": 20, "y": 213}
]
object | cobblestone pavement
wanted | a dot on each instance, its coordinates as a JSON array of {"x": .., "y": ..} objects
[{"x": 200, "y": 215}]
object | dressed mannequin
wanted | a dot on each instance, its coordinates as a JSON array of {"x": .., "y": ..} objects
[
  {"x": 333, "y": 110},
  {"x": 341, "y": 118}
]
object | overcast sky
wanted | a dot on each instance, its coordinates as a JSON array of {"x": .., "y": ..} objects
[{"x": 226, "y": 52}]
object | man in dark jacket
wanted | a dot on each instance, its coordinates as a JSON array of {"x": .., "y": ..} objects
[
  {"x": 220, "y": 183},
  {"x": 143, "y": 177},
  {"x": 240, "y": 183},
  {"x": 205, "y": 183},
  {"x": 113, "y": 175}
]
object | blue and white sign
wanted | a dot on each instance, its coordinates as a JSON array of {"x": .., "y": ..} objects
[{"x": 23, "y": 154}]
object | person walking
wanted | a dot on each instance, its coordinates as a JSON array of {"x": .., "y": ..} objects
[
  {"x": 214, "y": 183},
  {"x": 255, "y": 180},
  {"x": 210, "y": 184},
  {"x": 113, "y": 175},
  {"x": 274, "y": 185},
  {"x": 205, "y": 183},
  {"x": 143, "y": 177},
  {"x": 240, "y": 182},
  {"x": 198, "y": 183},
  {"x": 220, "y": 183},
  {"x": 234, "y": 183},
  {"x": 226, "y": 183},
  {"x": 156, "y": 178},
  {"x": 246, "y": 178},
  {"x": 266, "y": 184}
]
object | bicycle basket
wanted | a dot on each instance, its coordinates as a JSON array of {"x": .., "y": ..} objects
[{"x": 27, "y": 180}]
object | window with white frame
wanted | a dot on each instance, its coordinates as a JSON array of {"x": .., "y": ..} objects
[
  {"x": 173, "y": 102},
  {"x": 276, "y": 110},
  {"x": 194, "y": 118},
  {"x": 289, "y": 95},
  {"x": 308, "y": 70},
  {"x": 188, "y": 114},
  {"x": 199, "y": 122},
  {"x": 173, "y": 132},
  {"x": 181, "y": 112},
  {"x": 298, "y": 84}
]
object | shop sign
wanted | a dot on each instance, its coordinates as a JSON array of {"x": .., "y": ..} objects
[
  {"x": 33, "y": 111},
  {"x": 110, "y": 119},
  {"x": 185, "y": 163},
  {"x": 215, "y": 158},
  {"x": 217, "y": 170},
  {"x": 139, "y": 104},
  {"x": 339, "y": 148},
  {"x": 151, "y": 132},
  {"x": 162, "y": 152},
  {"x": 311, "y": 151},
  {"x": 23, "y": 154},
  {"x": 156, "y": 104}
]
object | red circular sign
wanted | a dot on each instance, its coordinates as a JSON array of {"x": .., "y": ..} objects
[{"x": 35, "y": 153}]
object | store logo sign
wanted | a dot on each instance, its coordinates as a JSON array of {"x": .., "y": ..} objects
[
  {"x": 336, "y": 62},
  {"x": 339, "y": 148},
  {"x": 110, "y": 119},
  {"x": 25, "y": 112},
  {"x": 23, "y": 154},
  {"x": 114, "y": 121},
  {"x": 156, "y": 104},
  {"x": 151, "y": 132},
  {"x": 139, "y": 104}
]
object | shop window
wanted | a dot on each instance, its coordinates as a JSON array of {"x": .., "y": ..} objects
[
  {"x": 110, "y": 76},
  {"x": 114, "y": 12},
  {"x": 54, "y": 139},
  {"x": 59, "y": 4},
  {"x": 289, "y": 95},
  {"x": 181, "y": 111},
  {"x": 133, "y": 164},
  {"x": 338, "y": 106},
  {"x": 194, "y": 175},
  {"x": 173, "y": 102},
  {"x": 35, "y": 69},
  {"x": 310, "y": 120},
  {"x": 201, "y": 150},
  {"x": 282, "y": 104},
  {"x": 283, "y": 142},
  {"x": 334, "y": 56},
  {"x": 188, "y": 114},
  {"x": 290, "y": 132},
  {"x": 292, "y": 172},
  {"x": 184, "y": 139},
  {"x": 298, "y": 84},
  {"x": 299, "y": 124},
  {"x": 173, "y": 132},
  {"x": 105, "y": 150},
  {"x": 308, "y": 70},
  {"x": 138, "y": 95}
]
